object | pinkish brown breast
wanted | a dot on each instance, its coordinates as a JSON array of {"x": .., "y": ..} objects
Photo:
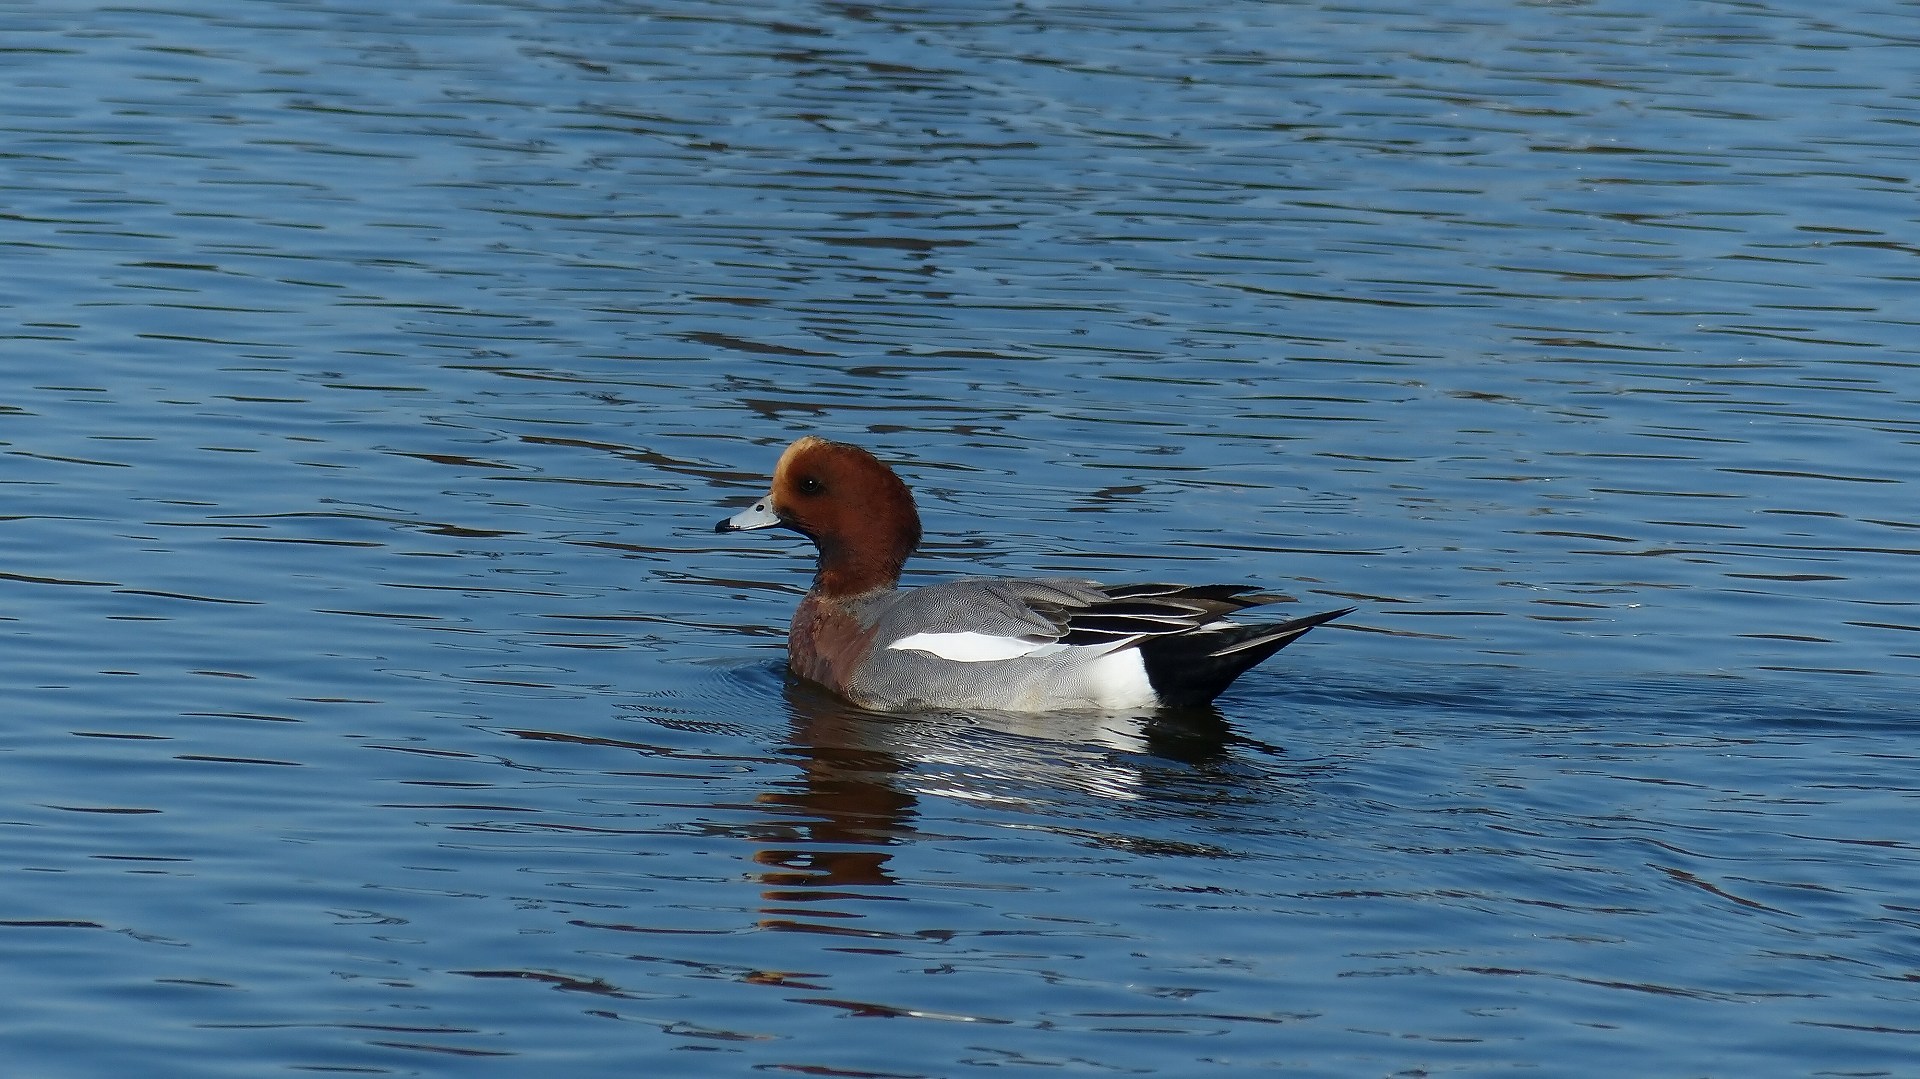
[{"x": 827, "y": 644}]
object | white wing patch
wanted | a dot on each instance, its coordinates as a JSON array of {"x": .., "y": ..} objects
[
  {"x": 1110, "y": 676},
  {"x": 970, "y": 647}
]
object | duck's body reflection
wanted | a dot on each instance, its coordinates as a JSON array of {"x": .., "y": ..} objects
[{"x": 862, "y": 775}]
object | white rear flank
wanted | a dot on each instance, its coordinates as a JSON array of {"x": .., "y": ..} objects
[{"x": 1115, "y": 680}]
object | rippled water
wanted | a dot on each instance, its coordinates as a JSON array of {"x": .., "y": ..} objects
[{"x": 379, "y": 699}]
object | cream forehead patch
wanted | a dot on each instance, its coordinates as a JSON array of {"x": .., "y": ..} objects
[{"x": 795, "y": 452}]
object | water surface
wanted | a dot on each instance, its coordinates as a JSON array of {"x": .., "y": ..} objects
[{"x": 381, "y": 701}]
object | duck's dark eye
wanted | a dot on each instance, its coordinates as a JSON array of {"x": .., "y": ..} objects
[{"x": 811, "y": 486}]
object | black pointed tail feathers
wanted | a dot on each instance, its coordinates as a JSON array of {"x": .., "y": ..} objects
[{"x": 1189, "y": 669}]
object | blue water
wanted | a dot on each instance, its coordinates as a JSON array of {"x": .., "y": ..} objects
[{"x": 378, "y": 699}]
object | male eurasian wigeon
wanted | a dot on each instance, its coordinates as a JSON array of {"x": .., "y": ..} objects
[{"x": 1011, "y": 644}]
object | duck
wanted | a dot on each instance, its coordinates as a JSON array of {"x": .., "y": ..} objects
[{"x": 1008, "y": 644}]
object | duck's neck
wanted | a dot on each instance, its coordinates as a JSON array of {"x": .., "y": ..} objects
[{"x": 844, "y": 571}]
